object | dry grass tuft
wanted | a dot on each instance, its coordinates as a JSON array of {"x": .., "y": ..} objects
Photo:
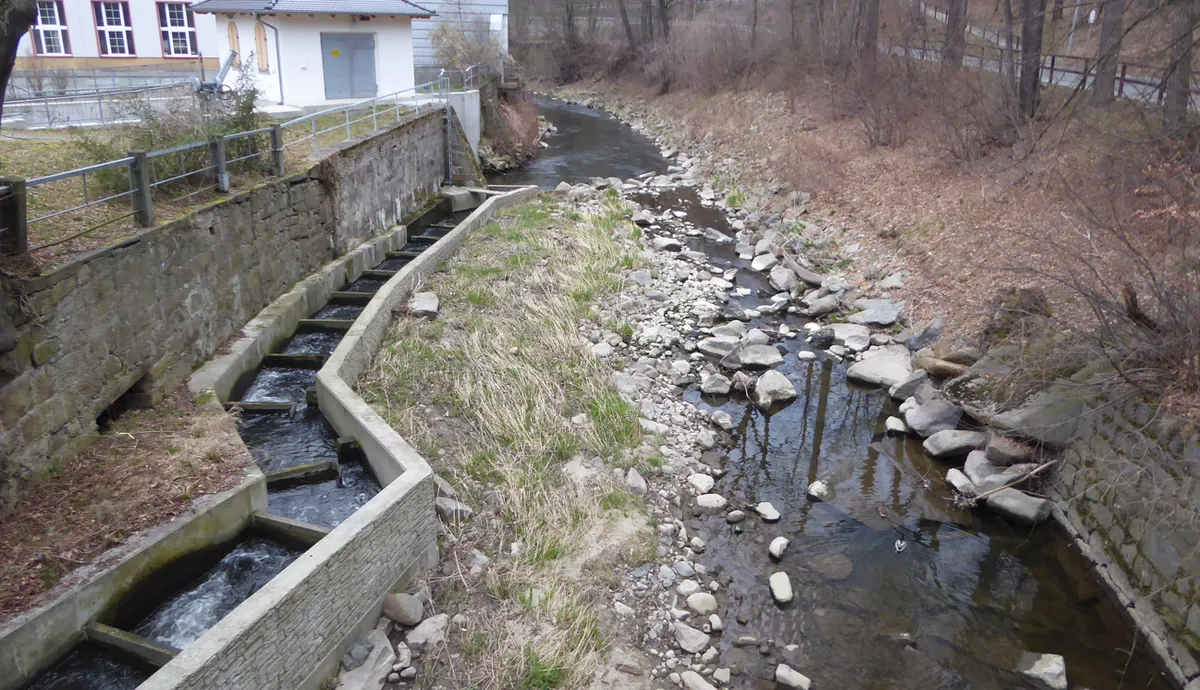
[
  {"x": 489, "y": 388},
  {"x": 145, "y": 470}
]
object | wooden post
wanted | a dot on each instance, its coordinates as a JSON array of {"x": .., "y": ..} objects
[
  {"x": 15, "y": 236},
  {"x": 140, "y": 185}
]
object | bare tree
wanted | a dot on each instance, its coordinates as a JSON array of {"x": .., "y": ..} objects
[
  {"x": 16, "y": 16},
  {"x": 628, "y": 27},
  {"x": 753, "y": 22},
  {"x": 664, "y": 16},
  {"x": 1056, "y": 14},
  {"x": 1112, "y": 27},
  {"x": 1182, "y": 14},
  {"x": 1033, "y": 16},
  {"x": 956, "y": 27},
  {"x": 870, "y": 40}
]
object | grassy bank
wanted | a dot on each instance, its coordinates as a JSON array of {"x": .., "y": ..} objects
[{"x": 492, "y": 392}]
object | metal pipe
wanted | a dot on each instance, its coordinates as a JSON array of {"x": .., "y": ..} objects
[{"x": 278, "y": 53}]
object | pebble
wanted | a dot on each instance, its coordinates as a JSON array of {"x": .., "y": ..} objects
[{"x": 767, "y": 512}]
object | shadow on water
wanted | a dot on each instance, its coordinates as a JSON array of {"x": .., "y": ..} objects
[{"x": 956, "y": 607}]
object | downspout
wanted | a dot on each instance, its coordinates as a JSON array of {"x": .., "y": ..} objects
[{"x": 278, "y": 53}]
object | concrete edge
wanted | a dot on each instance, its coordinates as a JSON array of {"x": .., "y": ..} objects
[
  {"x": 35, "y": 640},
  {"x": 1143, "y": 619}
]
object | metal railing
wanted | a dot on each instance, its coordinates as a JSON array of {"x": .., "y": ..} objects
[
  {"x": 172, "y": 175},
  {"x": 97, "y": 108},
  {"x": 352, "y": 119},
  {"x": 36, "y": 83}
]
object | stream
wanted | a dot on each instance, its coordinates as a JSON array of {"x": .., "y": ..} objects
[{"x": 955, "y": 608}]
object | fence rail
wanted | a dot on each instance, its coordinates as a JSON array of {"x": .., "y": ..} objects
[
  {"x": 178, "y": 173},
  {"x": 36, "y": 83},
  {"x": 98, "y": 108}
]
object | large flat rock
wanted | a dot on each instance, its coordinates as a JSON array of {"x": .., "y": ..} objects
[{"x": 881, "y": 367}]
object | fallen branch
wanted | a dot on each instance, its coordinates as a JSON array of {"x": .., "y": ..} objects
[{"x": 1028, "y": 475}]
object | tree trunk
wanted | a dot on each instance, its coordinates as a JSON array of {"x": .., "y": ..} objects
[
  {"x": 1056, "y": 14},
  {"x": 870, "y": 37},
  {"x": 628, "y": 27},
  {"x": 664, "y": 19},
  {"x": 956, "y": 27},
  {"x": 1033, "y": 16},
  {"x": 753, "y": 23},
  {"x": 1112, "y": 27},
  {"x": 16, "y": 16},
  {"x": 1179, "y": 77},
  {"x": 816, "y": 20}
]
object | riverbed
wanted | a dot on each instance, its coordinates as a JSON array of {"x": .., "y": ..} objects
[{"x": 954, "y": 608}]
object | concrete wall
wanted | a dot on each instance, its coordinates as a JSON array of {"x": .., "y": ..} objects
[
  {"x": 467, "y": 108},
  {"x": 1128, "y": 490},
  {"x": 300, "y": 44},
  {"x": 139, "y": 316}
]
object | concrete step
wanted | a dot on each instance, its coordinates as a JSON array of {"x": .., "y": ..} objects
[
  {"x": 303, "y": 474},
  {"x": 403, "y": 254},
  {"x": 126, "y": 642},
  {"x": 324, "y": 325},
  {"x": 378, "y": 274},
  {"x": 288, "y": 530},
  {"x": 362, "y": 298},
  {"x": 261, "y": 406},
  {"x": 309, "y": 361}
]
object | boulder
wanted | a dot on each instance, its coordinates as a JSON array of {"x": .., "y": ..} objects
[
  {"x": 959, "y": 482},
  {"x": 764, "y": 262},
  {"x": 781, "y": 588},
  {"x": 431, "y": 631},
  {"x": 978, "y": 469},
  {"x": 694, "y": 681},
  {"x": 880, "y": 312},
  {"x": 788, "y": 677},
  {"x": 733, "y": 329},
  {"x": 778, "y": 547},
  {"x": 715, "y": 385},
  {"x": 666, "y": 244},
  {"x": 817, "y": 491},
  {"x": 701, "y": 483},
  {"x": 931, "y": 417},
  {"x": 1004, "y": 451},
  {"x": 720, "y": 346},
  {"x": 954, "y": 442},
  {"x": 450, "y": 510},
  {"x": 690, "y": 639},
  {"x": 782, "y": 278},
  {"x": 424, "y": 305},
  {"x": 941, "y": 368},
  {"x": 711, "y": 504},
  {"x": 894, "y": 426},
  {"x": 1045, "y": 671},
  {"x": 635, "y": 482},
  {"x": 754, "y": 357},
  {"x": 908, "y": 387},
  {"x": 926, "y": 336},
  {"x": 773, "y": 388},
  {"x": 404, "y": 609},
  {"x": 824, "y": 305},
  {"x": 702, "y": 603},
  {"x": 822, "y": 338},
  {"x": 854, "y": 336},
  {"x": 885, "y": 366},
  {"x": 1019, "y": 506}
]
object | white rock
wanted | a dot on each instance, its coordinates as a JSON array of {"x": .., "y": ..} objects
[
  {"x": 690, "y": 639},
  {"x": 767, "y": 512},
  {"x": 952, "y": 442},
  {"x": 602, "y": 350},
  {"x": 702, "y": 483},
  {"x": 960, "y": 483},
  {"x": 788, "y": 677},
  {"x": 1019, "y": 506},
  {"x": 722, "y": 419},
  {"x": 687, "y": 588},
  {"x": 778, "y": 547},
  {"x": 715, "y": 385},
  {"x": 1046, "y": 671},
  {"x": 721, "y": 675},
  {"x": 702, "y": 603},
  {"x": 666, "y": 244},
  {"x": 623, "y": 610},
  {"x": 885, "y": 366},
  {"x": 895, "y": 426},
  {"x": 773, "y": 388},
  {"x": 635, "y": 482},
  {"x": 818, "y": 491},
  {"x": 764, "y": 262},
  {"x": 431, "y": 631},
  {"x": 781, "y": 587},
  {"x": 711, "y": 504},
  {"x": 694, "y": 681},
  {"x": 806, "y": 356},
  {"x": 715, "y": 622}
]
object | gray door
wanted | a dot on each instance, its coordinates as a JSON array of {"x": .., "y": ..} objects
[{"x": 349, "y": 64}]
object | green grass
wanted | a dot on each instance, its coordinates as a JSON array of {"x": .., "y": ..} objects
[{"x": 542, "y": 675}]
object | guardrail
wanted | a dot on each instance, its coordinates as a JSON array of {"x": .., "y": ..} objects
[
  {"x": 178, "y": 173},
  {"x": 96, "y": 108},
  {"x": 36, "y": 83}
]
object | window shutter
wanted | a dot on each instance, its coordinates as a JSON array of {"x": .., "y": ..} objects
[
  {"x": 234, "y": 43},
  {"x": 260, "y": 46}
]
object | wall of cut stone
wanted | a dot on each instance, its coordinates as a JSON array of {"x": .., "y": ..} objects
[
  {"x": 1129, "y": 493},
  {"x": 128, "y": 323}
]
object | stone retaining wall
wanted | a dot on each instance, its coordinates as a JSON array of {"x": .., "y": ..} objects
[
  {"x": 1128, "y": 493},
  {"x": 128, "y": 323}
]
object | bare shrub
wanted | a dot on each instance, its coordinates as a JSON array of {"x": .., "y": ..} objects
[
  {"x": 512, "y": 128},
  {"x": 976, "y": 112},
  {"x": 705, "y": 55},
  {"x": 460, "y": 47}
]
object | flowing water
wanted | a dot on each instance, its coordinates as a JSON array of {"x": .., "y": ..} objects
[
  {"x": 94, "y": 668},
  {"x": 191, "y": 612},
  {"x": 954, "y": 609}
]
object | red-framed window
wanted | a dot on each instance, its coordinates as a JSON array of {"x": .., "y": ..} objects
[
  {"x": 177, "y": 27},
  {"x": 114, "y": 28},
  {"x": 50, "y": 36}
]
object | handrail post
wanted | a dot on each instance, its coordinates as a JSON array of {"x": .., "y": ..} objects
[
  {"x": 277, "y": 150},
  {"x": 347, "y": 111},
  {"x": 217, "y": 149},
  {"x": 13, "y": 217},
  {"x": 139, "y": 184}
]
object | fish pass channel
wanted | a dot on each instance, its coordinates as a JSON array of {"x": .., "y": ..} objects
[
  {"x": 953, "y": 609},
  {"x": 311, "y": 478}
]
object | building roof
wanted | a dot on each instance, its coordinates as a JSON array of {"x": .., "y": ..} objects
[{"x": 385, "y": 7}]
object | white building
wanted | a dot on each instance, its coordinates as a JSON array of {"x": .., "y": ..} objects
[
  {"x": 310, "y": 52},
  {"x": 79, "y": 34}
]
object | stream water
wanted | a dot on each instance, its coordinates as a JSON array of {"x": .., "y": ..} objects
[{"x": 954, "y": 609}]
